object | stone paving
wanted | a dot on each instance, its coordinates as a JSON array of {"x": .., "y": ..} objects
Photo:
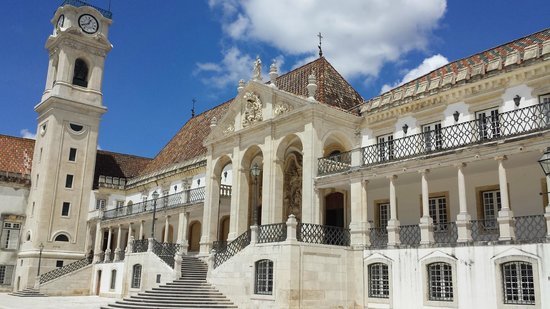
[{"x": 53, "y": 302}]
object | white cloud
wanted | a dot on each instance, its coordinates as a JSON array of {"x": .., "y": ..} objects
[
  {"x": 428, "y": 65},
  {"x": 26, "y": 133},
  {"x": 359, "y": 35},
  {"x": 234, "y": 66}
]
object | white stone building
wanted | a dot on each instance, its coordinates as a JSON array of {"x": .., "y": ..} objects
[{"x": 298, "y": 193}]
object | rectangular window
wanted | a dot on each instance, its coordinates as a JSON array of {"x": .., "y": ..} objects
[
  {"x": 59, "y": 263},
  {"x": 113, "y": 279},
  {"x": 72, "y": 154},
  {"x": 136, "y": 276},
  {"x": 379, "y": 282},
  {"x": 432, "y": 136},
  {"x": 488, "y": 123},
  {"x": 165, "y": 198},
  {"x": 119, "y": 206},
  {"x": 69, "y": 181},
  {"x": 383, "y": 214},
  {"x": 385, "y": 147},
  {"x": 440, "y": 282},
  {"x": 491, "y": 205},
  {"x": 438, "y": 211},
  {"x": 10, "y": 235},
  {"x": 100, "y": 204},
  {"x": 264, "y": 277},
  {"x": 519, "y": 287},
  {"x": 65, "y": 209},
  {"x": 6, "y": 272},
  {"x": 545, "y": 101}
]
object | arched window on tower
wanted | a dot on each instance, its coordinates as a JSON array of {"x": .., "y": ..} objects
[
  {"x": 61, "y": 237},
  {"x": 80, "y": 76}
]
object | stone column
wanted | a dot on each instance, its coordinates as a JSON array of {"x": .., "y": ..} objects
[
  {"x": 278, "y": 183},
  {"x": 426, "y": 222},
  {"x": 547, "y": 209},
  {"x": 98, "y": 242},
  {"x": 166, "y": 228},
  {"x": 291, "y": 225},
  {"x": 463, "y": 219},
  {"x": 108, "y": 250},
  {"x": 267, "y": 182},
  {"x": 140, "y": 229},
  {"x": 211, "y": 206},
  {"x": 310, "y": 202},
  {"x": 505, "y": 215},
  {"x": 130, "y": 237},
  {"x": 393, "y": 223},
  {"x": 253, "y": 234},
  {"x": 183, "y": 223},
  {"x": 118, "y": 249},
  {"x": 239, "y": 197},
  {"x": 359, "y": 226},
  {"x": 88, "y": 243}
]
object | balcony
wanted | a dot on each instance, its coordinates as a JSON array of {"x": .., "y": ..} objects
[
  {"x": 475, "y": 132},
  {"x": 79, "y": 3},
  {"x": 186, "y": 197}
]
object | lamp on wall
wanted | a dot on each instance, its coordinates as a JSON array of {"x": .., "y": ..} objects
[
  {"x": 517, "y": 99},
  {"x": 544, "y": 162},
  {"x": 255, "y": 172},
  {"x": 455, "y": 115},
  {"x": 405, "y": 128},
  {"x": 155, "y": 196}
]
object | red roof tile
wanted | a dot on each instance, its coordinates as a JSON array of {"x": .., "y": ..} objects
[{"x": 16, "y": 154}]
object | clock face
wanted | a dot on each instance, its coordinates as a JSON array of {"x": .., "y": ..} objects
[
  {"x": 60, "y": 21},
  {"x": 88, "y": 23}
]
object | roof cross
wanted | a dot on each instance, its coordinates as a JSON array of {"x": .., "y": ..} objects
[
  {"x": 193, "y": 109},
  {"x": 320, "y": 42}
]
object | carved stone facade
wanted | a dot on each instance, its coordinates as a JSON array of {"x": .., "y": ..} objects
[
  {"x": 292, "y": 202},
  {"x": 252, "y": 109}
]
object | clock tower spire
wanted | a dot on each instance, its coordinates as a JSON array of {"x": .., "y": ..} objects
[{"x": 66, "y": 141}]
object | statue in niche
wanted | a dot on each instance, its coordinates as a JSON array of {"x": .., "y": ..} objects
[
  {"x": 292, "y": 201},
  {"x": 252, "y": 111}
]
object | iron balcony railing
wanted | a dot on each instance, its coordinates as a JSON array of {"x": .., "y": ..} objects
[
  {"x": 445, "y": 233},
  {"x": 409, "y": 235},
  {"x": 272, "y": 233},
  {"x": 323, "y": 234},
  {"x": 79, "y": 3},
  {"x": 378, "y": 237},
  {"x": 69, "y": 268},
  {"x": 485, "y": 230},
  {"x": 140, "y": 245},
  {"x": 485, "y": 129},
  {"x": 530, "y": 228},
  {"x": 183, "y": 198},
  {"x": 166, "y": 251},
  {"x": 232, "y": 248}
]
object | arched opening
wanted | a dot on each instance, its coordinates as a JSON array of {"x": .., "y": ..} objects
[
  {"x": 170, "y": 234},
  {"x": 224, "y": 228},
  {"x": 252, "y": 180},
  {"x": 98, "y": 283},
  {"x": 334, "y": 209},
  {"x": 194, "y": 236},
  {"x": 80, "y": 74},
  {"x": 113, "y": 279},
  {"x": 292, "y": 186},
  {"x": 62, "y": 238}
]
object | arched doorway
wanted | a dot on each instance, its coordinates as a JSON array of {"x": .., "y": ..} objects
[
  {"x": 194, "y": 236},
  {"x": 98, "y": 283},
  {"x": 224, "y": 228},
  {"x": 334, "y": 209},
  {"x": 292, "y": 186},
  {"x": 170, "y": 234}
]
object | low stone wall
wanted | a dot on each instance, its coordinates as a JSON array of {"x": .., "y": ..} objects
[{"x": 75, "y": 283}]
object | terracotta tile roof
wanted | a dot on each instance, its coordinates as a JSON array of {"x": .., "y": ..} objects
[
  {"x": 188, "y": 142},
  {"x": 332, "y": 88},
  {"x": 118, "y": 164},
  {"x": 16, "y": 154},
  {"x": 486, "y": 63}
]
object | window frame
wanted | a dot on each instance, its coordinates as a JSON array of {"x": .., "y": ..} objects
[
  {"x": 383, "y": 280},
  {"x": 69, "y": 183},
  {"x": 440, "y": 270},
  {"x": 137, "y": 270},
  {"x": 439, "y": 258},
  {"x": 517, "y": 257},
  {"x": 6, "y": 275},
  {"x": 68, "y": 212},
  {"x": 9, "y": 238},
  {"x": 72, "y": 155},
  {"x": 264, "y": 278},
  {"x": 386, "y": 150},
  {"x": 112, "y": 285}
]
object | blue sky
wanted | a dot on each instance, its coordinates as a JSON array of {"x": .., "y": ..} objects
[{"x": 168, "y": 52}]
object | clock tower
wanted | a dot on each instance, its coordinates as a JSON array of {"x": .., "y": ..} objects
[{"x": 66, "y": 142}]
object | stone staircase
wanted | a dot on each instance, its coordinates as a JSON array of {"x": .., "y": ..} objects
[
  {"x": 189, "y": 291},
  {"x": 28, "y": 292}
]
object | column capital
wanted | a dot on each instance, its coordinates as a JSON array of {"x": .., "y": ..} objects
[
  {"x": 424, "y": 171},
  {"x": 501, "y": 158},
  {"x": 460, "y": 165},
  {"x": 391, "y": 177}
]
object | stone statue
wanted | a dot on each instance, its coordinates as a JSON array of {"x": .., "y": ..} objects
[{"x": 257, "y": 72}]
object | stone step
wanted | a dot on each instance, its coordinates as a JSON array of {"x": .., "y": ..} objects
[
  {"x": 28, "y": 292},
  {"x": 178, "y": 296}
]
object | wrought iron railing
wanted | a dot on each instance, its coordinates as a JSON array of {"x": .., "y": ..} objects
[
  {"x": 323, "y": 234},
  {"x": 378, "y": 237},
  {"x": 225, "y": 191},
  {"x": 530, "y": 228},
  {"x": 140, "y": 245},
  {"x": 232, "y": 248},
  {"x": 334, "y": 163},
  {"x": 219, "y": 245},
  {"x": 183, "y": 198},
  {"x": 78, "y": 3},
  {"x": 272, "y": 233},
  {"x": 409, "y": 235},
  {"x": 508, "y": 124},
  {"x": 485, "y": 230},
  {"x": 166, "y": 251},
  {"x": 69, "y": 268},
  {"x": 445, "y": 233}
]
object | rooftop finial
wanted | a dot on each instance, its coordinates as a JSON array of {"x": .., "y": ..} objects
[
  {"x": 257, "y": 72},
  {"x": 320, "y": 42},
  {"x": 193, "y": 108}
]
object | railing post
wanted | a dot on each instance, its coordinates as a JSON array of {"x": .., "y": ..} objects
[
  {"x": 130, "y": 247},
  {"x": 253, "y": 234},
  {"x": 177, "y": 263},
  {"x": 291, "y": 224},
  {"x": 393, "y": 223},
  {"x": 426, "y": 222},
  {"x": 356, "y": 157},
  {"x": 463, "y": 219},
  {"x": 150, "y": 244},
  {"x": 505, "y": 215},
  {"x": 547, "y": 218}
]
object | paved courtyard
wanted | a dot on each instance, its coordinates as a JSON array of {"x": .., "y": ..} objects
[{"x": 51, "y": 302}]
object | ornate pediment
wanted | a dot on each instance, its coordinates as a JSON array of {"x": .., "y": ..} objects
[{"x": 252, "y": 109}]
